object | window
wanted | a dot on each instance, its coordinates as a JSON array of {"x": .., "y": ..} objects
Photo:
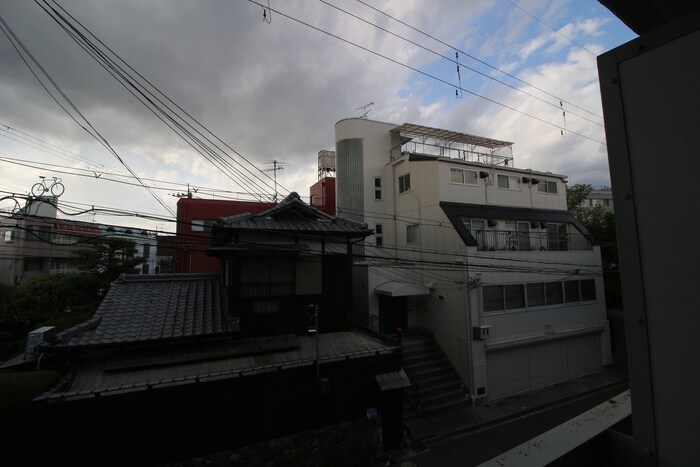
[
  {"x": 476, "y": 227},
  {"x": 38, "y": 233},
  {"x": 457, "y": 176},
  {"x": 9, "y": 236},
  {"x": 146, "y": 250},
  {"x": 463, "y": 177},
  {"x": 515, "y": 296},
  {"x": 377, "y": 188},
  {"x": 379, "y": 234},
  {"x": 266, "y": 306},
  {"x": 535, "y": 294},
  {"x": 404, "y": 183},
  {"x": 547, "y": 186},
  {"x": 197, "y": 225},
  {"x": 554, "y": 293},
  {"x": 412, "y": 232},
  {"x": 587, "y": 290},
  {"x": 571, "y": 292},
  {"x": 493, "y": 298},
  {"x": 503, "y": 181},
  {"x": 144, "y": 269}
]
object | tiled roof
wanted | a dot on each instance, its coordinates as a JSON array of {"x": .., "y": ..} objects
[
  {"x": 146, "y": 308},
  {"x": 293, "y": 215}
]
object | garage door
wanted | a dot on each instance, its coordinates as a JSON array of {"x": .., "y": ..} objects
[{"x": 520, "y": 369}]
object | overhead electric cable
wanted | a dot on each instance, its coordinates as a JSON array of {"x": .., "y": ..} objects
[
  {"x": 477, "y": 59},
  {"x": 16, "y": 42},
  {"x": 426, "y": 74},
  {"x": 458, "y": 63}
]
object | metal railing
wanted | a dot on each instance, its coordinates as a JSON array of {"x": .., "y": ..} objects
[
  {"x": 267, "y": 289},
  {"x": 503, "y": 240}
]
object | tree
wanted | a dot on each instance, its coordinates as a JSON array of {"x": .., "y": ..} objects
[
  {"x": 109, "y": 257},
  {"x": 575, "y": 195}
]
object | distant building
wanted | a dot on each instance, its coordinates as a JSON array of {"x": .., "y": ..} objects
[
  {"x": 35, "y": 242},
  {"x": 480, "y": 254},
  {"x": 322, "y": 193},
  {"x": 145, "y": 244},
  {"x": 193, "y": 235},
  {"x": 599, "y": 196}
]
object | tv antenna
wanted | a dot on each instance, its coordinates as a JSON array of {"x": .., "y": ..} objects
[
  {"x": 366, "y": 109},
  {"x": 276, "y": 165}
]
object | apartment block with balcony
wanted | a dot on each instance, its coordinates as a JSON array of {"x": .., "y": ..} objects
[{"x": 477, "y": 252}]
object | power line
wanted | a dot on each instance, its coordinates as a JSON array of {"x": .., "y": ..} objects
[
  {"x": 477, "y": 59},
  {"x": 17, "y": 45},
  {"x": 428, "y": 75},
  {"x": 458, "y": 63},
  {"x": 154, "y": 99},
  {"x": 552, "y": 28}
]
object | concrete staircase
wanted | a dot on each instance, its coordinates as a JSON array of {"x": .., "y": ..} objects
[{"x": 436, "y": 384}]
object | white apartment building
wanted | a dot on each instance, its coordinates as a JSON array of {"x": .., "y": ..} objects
[{"x": 481, "y": 254}]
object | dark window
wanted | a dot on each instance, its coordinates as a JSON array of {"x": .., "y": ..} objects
[
  {"x": 535, "y": 294},
  {"x": 377, "y": 188},
  {"x": 571, "y": 293},
  {"x": 554, "y": 293},
  {"x": 547, "y": 187},
  {"x": 588, "y": 290},
  {"x": 38, "y": 233},
  {"x": 404, "y": 183},
  {"x": 493, "y": 298},
  {"x": 515, "y": 296},
  {"x": 144, "y": 269},
  {"x": 146, "y": 250}
]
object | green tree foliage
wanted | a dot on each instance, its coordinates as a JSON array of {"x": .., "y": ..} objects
[
  {"x": 601, "y": 225},
  {"x": 109, "y": 257}
]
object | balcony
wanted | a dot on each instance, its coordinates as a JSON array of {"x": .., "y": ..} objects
[
  {"x": 267, "y": 289},
  {"x": 503, "y": 240}
]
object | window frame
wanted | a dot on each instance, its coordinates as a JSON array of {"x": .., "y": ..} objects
[
  {"x": 378, "y": 188},
  {"x": 404, "y": 182},
  {"x": 463, "y": 172},
  {"x": 545, "y": 187},
  {"x": 412, "y": 234}
]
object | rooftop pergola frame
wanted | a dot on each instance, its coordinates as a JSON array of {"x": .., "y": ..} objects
[{"x": 453, "y": 144}]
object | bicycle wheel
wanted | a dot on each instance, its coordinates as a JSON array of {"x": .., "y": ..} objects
[
  {"x": 57, "y": 189},
  {"x": 38, "y": 189}
]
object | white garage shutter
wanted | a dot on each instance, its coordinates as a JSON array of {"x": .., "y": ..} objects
[
  {"x": 515, "y": 370},
  {"x": 547, "y": 364},
  {"x": 507, "y": 372},
  {"x": 583, "y": 353}
]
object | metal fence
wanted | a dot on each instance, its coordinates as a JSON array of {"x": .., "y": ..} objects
[{"x": 504, "y": 240}]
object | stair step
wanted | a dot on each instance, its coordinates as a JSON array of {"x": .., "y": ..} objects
[
  {"x": 414, "y": 367},
  {"x": 417, "y": 357},
  {"x": 448, "y": 405}
]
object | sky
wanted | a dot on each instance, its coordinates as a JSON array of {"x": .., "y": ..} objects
[{"x": 271, "y": 89}]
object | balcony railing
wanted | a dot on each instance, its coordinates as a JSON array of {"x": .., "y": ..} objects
[
  {"x": 267, "y": 289},
  {"x": 502, "y": 240}
]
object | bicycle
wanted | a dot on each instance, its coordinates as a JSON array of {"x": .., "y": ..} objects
[{"x": 56, "y": 188}]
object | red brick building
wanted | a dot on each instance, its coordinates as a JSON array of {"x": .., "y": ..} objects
[{"x": 323, "y": 195}]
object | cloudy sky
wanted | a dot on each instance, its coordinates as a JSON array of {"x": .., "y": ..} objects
[{"x": 273, "y": 90}]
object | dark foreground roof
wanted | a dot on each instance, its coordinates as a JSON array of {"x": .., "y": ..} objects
[
  {"x": 457, "y": 211},
  {"x": 292, "y": 215},
  {"x": 147, "y": 308}
]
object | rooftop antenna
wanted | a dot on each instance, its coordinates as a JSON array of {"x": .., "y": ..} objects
[
  {"x": 276, "y": 165},
  {"x": 366, "y": 109}
]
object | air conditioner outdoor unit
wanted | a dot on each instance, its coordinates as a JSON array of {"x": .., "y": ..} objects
[
  {"x": 481, "y": 332},
  {"x": 43, "y": 335}
]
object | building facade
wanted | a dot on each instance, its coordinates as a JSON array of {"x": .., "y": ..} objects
[
  {"x": 195, "y": 216},
  {"x": 479, "y": 253},
  {"x": 35, "y": 242},
  {"x": 599, "y": 196}
]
